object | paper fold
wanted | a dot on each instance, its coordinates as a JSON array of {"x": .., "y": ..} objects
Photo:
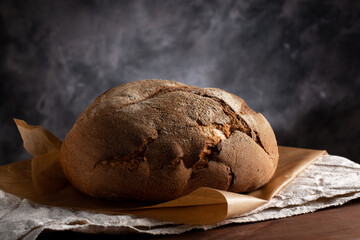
[
  {"x": 42, "y": 180},
  {"x": 46, "y": 173}
]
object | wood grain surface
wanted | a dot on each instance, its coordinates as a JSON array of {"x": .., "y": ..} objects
[{"x": 333, "y": 223}]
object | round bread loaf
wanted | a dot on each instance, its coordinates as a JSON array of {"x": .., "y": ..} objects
[{"x": 156, "y": 140}]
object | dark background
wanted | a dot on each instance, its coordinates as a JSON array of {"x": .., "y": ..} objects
[{"x": 297, "y": 62}]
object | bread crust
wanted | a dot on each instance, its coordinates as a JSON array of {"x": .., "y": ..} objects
[{"x": 156, "y": 140}]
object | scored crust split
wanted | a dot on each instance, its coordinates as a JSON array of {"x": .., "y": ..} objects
[{"x": 156, "y": 140}]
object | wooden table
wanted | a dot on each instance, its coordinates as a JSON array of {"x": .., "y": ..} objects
[{"x": 333, "y": 223}]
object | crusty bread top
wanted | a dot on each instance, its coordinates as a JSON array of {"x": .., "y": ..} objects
[{"x": 152, "y": 125}]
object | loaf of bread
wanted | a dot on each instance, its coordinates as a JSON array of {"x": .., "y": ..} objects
[{"x": 156, "y": 140}]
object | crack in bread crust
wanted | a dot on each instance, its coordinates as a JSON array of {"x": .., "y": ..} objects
[
  {"x": 133, "y": 159},
  {"x": 236, "y": 122},
  {"x": 161, "y": 91},
  {"x": 212, "y": 147}
]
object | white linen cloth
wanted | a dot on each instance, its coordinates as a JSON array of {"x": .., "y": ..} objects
[{"x": 329, "y": 181}]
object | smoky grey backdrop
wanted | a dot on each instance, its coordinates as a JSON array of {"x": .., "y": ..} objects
[{"x": 295, "y": 61}]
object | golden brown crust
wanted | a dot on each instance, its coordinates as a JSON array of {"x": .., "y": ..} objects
[{"x": 156, "y": 140}]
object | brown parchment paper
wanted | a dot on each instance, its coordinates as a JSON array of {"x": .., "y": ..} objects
[{"x": 41, "y": 180}]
